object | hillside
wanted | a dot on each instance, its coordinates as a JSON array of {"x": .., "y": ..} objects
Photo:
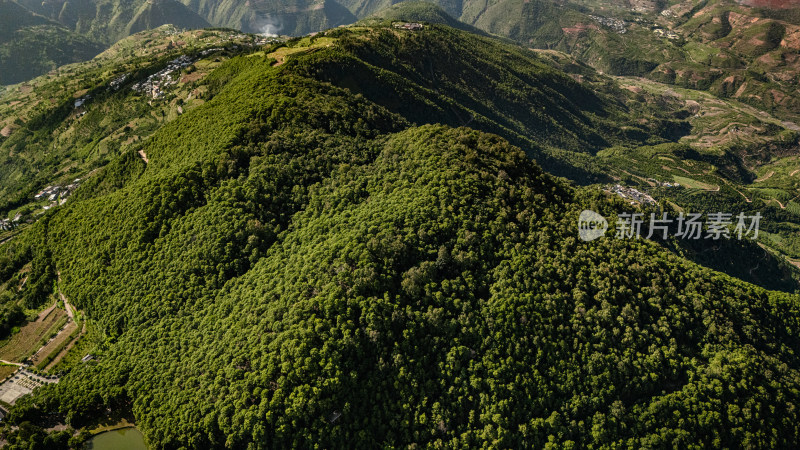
[
  {"x": 299, "y": 260},
  {"x": 61, "y": 126},
  {"x": 108, "y": 21},
  {"x": 418, "y": 11},
  {"x": 446, "y": 76},
  {"x": 13, "y": 17},
  {"x": 691, "y": 44},
  {"x": 580, "y": 125},
  {"x": 594, "y": 129},
  {"x": 34, "y": 50},
  {"x": 285, "y": 17},
  {"x": 31, "y": 44},
  {"x": 721, "y": 46},
  {"x": 472, "y": 80},
  {"x": 155, "y": 13}
]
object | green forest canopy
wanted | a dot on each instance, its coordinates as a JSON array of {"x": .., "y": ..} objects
[{"x": 298, "y": 265}]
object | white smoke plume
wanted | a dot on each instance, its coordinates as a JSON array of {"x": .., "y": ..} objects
[{"x": 269, "y": 26}]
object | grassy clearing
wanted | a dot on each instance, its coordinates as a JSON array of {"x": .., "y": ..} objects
[
  {"x": 694, "y": 184},
  {"x": 123, "y": 423},
  {"x": 700, "y": 53},
  {"x": 305, "y": 45},
  {"x": 6, "y": 370}
]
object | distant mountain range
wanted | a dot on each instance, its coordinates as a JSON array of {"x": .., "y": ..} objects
[
  {"x": 772, "y": 4},
  {"x": 694, "y": 44}
]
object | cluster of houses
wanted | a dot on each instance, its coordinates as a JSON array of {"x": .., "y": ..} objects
[
  {"x": 57, "y": 194},
  {"x": 155, "y": 84},
  {"x": 81, "y": 101},
  {"x": 118, "y": 82},
  {"x": 410, "y": 26},
  {"x": 210, "y": 51},
  {"x": 664, "y": 183},
  {"x": 618, "y": 25},
  {"x": 53, "y": 195},
  {"x": 260, "y": 41},
  {"x": 634, "y": 195},
  {"x": 9, "y": 224},
  {"x": 671, "y": 35}
]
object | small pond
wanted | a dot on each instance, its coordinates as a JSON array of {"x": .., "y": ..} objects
[{"x": 122, "y": 439}]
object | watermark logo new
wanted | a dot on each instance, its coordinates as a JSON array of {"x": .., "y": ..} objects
[{"x": 591, "y": 225}]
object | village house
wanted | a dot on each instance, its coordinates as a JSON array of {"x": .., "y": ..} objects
[{"x": 411, "y": 26}]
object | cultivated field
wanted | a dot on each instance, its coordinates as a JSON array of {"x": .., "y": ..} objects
[
  {"x": 32, "y": 336},
  {"x": 55, "y": 345},
  {"x": 691, "y": 183}
]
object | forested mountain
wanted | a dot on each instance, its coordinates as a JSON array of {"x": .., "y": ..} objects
[
  {"x": 350, "y": 240},
  {"x": 458, "y": 79},
  {"x": 718, "y": 78},
  {"x": 31, "y": 44},
  {"x": 419, "y": 11}
]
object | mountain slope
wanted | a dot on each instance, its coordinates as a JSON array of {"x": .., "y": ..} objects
[
  {"x": 419, "y": 11},
  {"x": 579, "y": 125},
  {"x": 733, "y": 49},
  {"x": 155, "y": 13},
  {"x": 297, "y": 264},
  {"x": 31, "y": 44},
  {"x": 295, "y": 17},
  {"x": 621, "y": 38},
  {"x": 15, "y": 16},
  {"x": 440, "y": 75},
  {"x": 62, "y": 126},
  {"x": 34, "y": 50},
  {"x": 471, "y": 81}
]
